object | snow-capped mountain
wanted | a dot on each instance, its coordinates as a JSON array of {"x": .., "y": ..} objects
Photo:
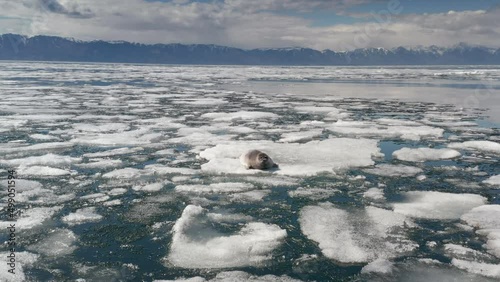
[{"x": 51, "y": 48}]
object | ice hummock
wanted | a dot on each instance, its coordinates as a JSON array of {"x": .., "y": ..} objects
[{"x": 197, "y": 245}]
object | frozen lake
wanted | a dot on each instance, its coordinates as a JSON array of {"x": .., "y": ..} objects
[{"x": 132, "y": 173}]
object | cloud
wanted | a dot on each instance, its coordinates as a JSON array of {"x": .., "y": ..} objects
[
  {"x": 70, "y": 9},
  {"x": 247, "y": 24}
]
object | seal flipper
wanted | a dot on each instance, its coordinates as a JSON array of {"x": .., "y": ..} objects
[{"x": 275, "y": 165}]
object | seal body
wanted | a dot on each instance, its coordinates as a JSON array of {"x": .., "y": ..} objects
[{"x": 256, "y": 159}]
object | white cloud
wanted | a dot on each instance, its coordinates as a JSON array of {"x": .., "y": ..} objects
[{"x": 241, "y": 23}]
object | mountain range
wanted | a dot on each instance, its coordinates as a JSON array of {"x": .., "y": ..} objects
[{"x": 52, "y": 48}]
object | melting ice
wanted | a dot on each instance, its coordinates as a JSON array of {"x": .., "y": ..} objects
[{"x": 131, "y": 172}]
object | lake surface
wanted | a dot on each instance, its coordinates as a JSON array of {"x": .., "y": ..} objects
[{"x": 132, "y": 173}]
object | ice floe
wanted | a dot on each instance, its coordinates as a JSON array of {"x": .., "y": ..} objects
[
  {"x": 295, "y": 159},
  {"x": 23, "y": 260},
  {"x": 486, "y": 219},
  {"x": 425, "y": 154},
  {"x": 390, "y": 170},
  {"x": 82, "y": 216},
  {"x": 378, "y": 266},
  {"x": 243, "y": 115},
  {"x": 485, "y": 269},
  {"x": 437, "y": 205},
  {"x": 374, "y": 194},
  {"x": 358, "y": 236},
  {"x": 300, "y": 136},
  {"x": 235, "y": 276},
  {"x": 42, "y": 171},
  {"x": 32, "y": 217},
  {"x": 494, "y": 180},
  {"x": 196, "y": 245},
  {"x": 481, "y": 145},
  {"x": 124, "y": 173},
  {"x": 46, "y": 160},
  {"x": 312, "y": 193},
  {"x": 114, "y": 152},
  {"x": 59, "y": 242},
  {"x": 369, "y": 129},
  {"x": 229, "y": 187}
]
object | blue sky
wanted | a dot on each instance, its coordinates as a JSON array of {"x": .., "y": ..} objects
[{"x": 319, "y": 24}]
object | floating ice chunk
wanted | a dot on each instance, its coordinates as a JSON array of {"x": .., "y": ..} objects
[
  {"x": 23, "y": 259},
  {"x": 390, "y": 121},
  {"x": 330, "y": 111},
  {"x": 161, "y": 169},
  {"x": 106, "y": 127},
  {"x": 244, "y": 115},
  {"x": 38, "y": 147},
  {"x": 485, "y": 269},
  {"x": 390, "y": 170},
  {"x": 482, "y": 145},
  {"x": 43, "y": 117},
  {"x": 201, "y": 138},
  {"x": 43, "y": 137},
  {"x": 114, "y": 152},
  {"x": 437, "y": 205},
  {"x": 369, "y": 129},
  {"x": 486, "y": 219},
  {"x": 294, "y": 159},
  {"x": 424, "y": 270},
  {"x": 116, "y": 202},
  {"x": 250, "y": 196},
  {"x": 228, "y": 187},
  {"x": 494, "y": 180},
  {"x": 59, "y": 242},
  {"x": 125, "y": 173},
  {"x": 357, "y": 237},
  {"x": 196, "y": 245},
  {"x": 313, "y": 123},
  {"x": 425, "y": 154},
  {"x": 421, "y": 177},
  {"x": 463, "y": 253},
  {"x": 378, "y": 266},
  {"x": 300, "y": 136},
  {"x": 47, "y": 160},
  {"x": 23, "y": 185},
  {"x": 42, "y": 171},
  {"x": 133, "y": 137},
  {"x": 82, "y": 216},
  {"x": 273, "y": 180},
  {"x": 106, "y": 163},
  {"x": 152, "y": 187},
  {"x": 312, "y": 193},
  {"x": 201, "y": 101},
  {"x": 374, "y": 194},
  {"x": 236, "y": 276},
  {"x": 32, "y": 217}
]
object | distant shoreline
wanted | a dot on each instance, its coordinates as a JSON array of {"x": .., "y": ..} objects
[{"x": 58, "y": 49}]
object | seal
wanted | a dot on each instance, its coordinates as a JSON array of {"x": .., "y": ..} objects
[{"x": 255, "y": 159}]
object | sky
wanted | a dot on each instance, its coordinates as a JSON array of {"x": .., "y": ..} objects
[{"x": 319, "y": 24}]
